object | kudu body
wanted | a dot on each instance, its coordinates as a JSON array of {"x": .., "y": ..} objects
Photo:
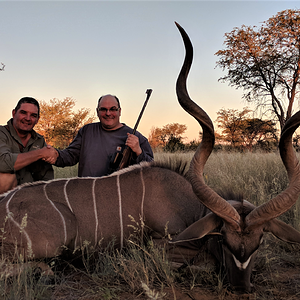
[
  {"x": 40, "y": 219},
  {"x": 71, "y": 211}
]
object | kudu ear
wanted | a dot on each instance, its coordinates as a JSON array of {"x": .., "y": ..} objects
[
  {"x": 199, "y": 229},
  {"x": 283, "y": 231}
]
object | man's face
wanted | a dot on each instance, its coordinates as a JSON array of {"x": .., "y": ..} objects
[
  {"x": 109, "y": 113},
  {"x": 25, "y": 118}
]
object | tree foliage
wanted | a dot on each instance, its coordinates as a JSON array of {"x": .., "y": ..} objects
[
  {"x": 230, "y": 121},
  {"x": 174, "y": 144},
  {"x": 58, "y": 122},
  {"x": 296, "y": 142},
  {"x": 243, "y": 132},
  {"x": 170, "y": 133},
  {"x": 265, "y": 62}
]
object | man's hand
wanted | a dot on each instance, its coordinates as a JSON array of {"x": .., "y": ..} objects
[
  {"x": 49, "y": 154},
  {"x": 133, "y": 143}
]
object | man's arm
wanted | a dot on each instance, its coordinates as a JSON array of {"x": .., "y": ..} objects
[
  {"x": 14, "y": 161},
  {"x": 147, "y": 153},
  {"x": 134, "y": 144},
  {"x": 70, "y": 155},
  {"x": 141, "y": 148},
  {"x": 47, "y": 153}
]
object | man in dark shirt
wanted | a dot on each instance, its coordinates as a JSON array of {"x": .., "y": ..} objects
[{"x": 96, "y": 144}]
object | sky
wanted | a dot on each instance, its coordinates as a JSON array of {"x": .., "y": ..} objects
[{"x": 85, "y": 49}]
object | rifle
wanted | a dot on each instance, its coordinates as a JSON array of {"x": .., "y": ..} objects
[{"x": 127, "y": 153}]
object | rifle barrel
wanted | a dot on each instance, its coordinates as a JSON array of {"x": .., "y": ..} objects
[
  {"x": 127, "y": 152},
  {"x": 148, "y": 92}
]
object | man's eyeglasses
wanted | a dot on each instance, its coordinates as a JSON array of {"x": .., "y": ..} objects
[{"x": 105, "y": 110}]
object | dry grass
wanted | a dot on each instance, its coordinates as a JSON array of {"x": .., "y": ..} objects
[
  {"x": 257, "y": 176},
  {"x": 142, "y": 271}
]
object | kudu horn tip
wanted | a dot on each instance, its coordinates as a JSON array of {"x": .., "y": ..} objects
[{"x": 177, "y": 24}]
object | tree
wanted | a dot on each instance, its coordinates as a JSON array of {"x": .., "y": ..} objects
[
  {"x": 159, "y": 137},
  {"x": 243, "y": 132},
  {"x": 192, "y": 145},
  {"x": 155, "y": 138},
  {"x": 230, "y": 121},
  {"x": 59, "y": 124},
  {"x": 174, "y": 144},
  {"x": 265, "y": 63},
  {"x": 258, "y": 132},
  {"x": 296, "y": 142}
]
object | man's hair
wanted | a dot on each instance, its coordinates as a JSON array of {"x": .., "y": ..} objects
[
  {"x": 27, "y": 100},
  {"x": 112, "y": 96}
]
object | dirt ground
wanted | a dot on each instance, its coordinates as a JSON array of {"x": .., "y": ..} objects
[
  {"x": 276, "y": 276},
  {"x": 277, "y": 281}
]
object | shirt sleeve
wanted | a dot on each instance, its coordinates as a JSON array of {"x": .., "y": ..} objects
[
  {"x": 147, "y": 153},
  {"x": 70, "y": 155},
  {"x": 7, "y": 158}
]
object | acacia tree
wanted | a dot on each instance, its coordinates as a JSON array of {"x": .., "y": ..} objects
[
  {"x": 241, "y": 131},
  {"x": 160, "y": 137},
  {"x": 230, "y": 121},
  {"x": 59, "y": 124},
  {"x": 258, "y": 132},
  {"x": 265, "y": 63}
]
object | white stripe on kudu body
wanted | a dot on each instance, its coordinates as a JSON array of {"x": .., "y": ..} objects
[
  {"x": 120, "y": 210},
  {"x": 143, "y": 195},
  {"x": 60, "y": 214},
  {"x": 95, "y": 211},
  {"x": 22, "y": 229},
  {"x": 66, "y": 195}
]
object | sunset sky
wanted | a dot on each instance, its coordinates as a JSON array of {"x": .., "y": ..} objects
[{"x": 85, "y": 49}]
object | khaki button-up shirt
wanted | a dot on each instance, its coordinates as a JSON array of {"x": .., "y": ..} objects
[{"x": 11, "y": 146}]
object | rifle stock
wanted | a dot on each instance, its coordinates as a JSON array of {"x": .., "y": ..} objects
[{"x": 127, "y": 153}]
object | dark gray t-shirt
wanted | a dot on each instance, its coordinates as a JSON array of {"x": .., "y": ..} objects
[{"x": 94, "y": 147}]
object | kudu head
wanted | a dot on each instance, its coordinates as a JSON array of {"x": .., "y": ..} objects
[{"x": 242, "y": 224}]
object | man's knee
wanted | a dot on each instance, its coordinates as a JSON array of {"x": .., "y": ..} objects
[{"x": 7, "y": 182}]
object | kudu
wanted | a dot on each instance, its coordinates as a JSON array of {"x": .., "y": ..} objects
[
  {"x": 242, "y": 224},
  {"x": 41, "y": 219}
]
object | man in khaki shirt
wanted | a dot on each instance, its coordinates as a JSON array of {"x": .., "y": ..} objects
[{"x": 24, "y": 154}]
